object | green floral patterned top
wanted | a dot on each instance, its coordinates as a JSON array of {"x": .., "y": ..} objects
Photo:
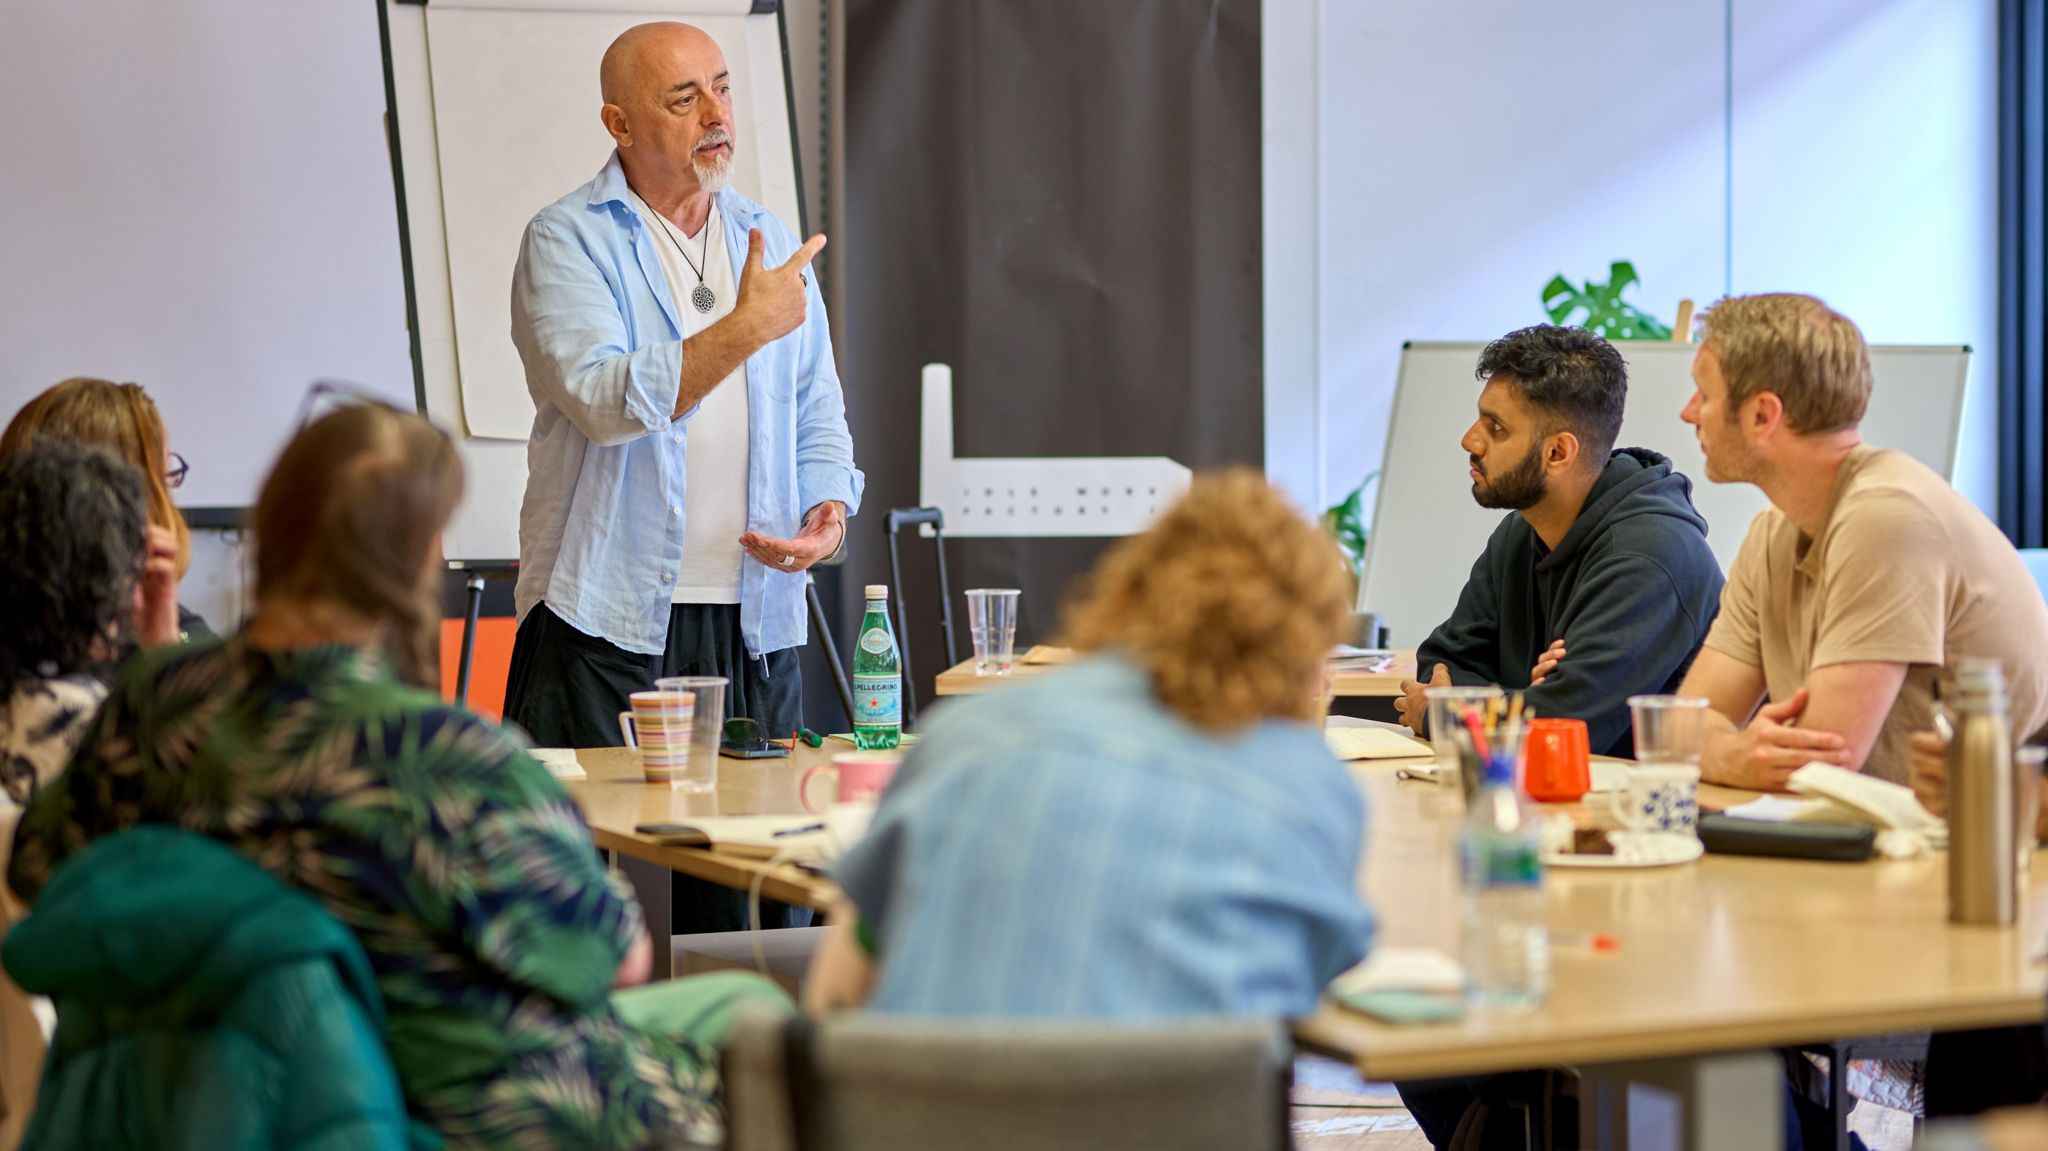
[{"x": 460, "y": 863}]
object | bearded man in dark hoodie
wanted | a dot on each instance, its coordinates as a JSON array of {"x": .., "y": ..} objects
[{"x": 1604, "y": 558}]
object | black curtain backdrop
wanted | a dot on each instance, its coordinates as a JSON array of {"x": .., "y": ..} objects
[
  {"x": 1060, "y": 199},
  {"x": 2023, "y": 269}
]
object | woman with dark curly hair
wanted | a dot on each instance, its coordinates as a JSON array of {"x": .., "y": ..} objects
[{"x": 84, "y": 582}]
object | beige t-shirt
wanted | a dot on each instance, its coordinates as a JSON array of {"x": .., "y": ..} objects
[{"x": 1904, "y": 570}]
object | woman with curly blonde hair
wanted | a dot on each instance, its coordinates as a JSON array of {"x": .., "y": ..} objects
[{"x": 1156, "y": 831}]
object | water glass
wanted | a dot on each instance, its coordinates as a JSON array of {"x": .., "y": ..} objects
[
  {"x": 707, "y": 722},
  {"x": 992, "y": 620},
  {"x": 1670, "y": 729}
]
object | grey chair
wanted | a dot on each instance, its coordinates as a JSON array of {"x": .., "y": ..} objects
[{"x": 869, "y": 1083}]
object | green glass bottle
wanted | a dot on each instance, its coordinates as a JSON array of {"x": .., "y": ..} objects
[{"x": 877, "y": 677}]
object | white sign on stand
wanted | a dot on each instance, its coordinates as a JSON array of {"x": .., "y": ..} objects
[{"x": 1036, "y": 496}]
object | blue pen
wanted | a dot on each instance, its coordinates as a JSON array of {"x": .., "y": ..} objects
[{"x": 808, "y": 827}]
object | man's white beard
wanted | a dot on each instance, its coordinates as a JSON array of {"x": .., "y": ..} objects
[{"x": 714, "y": 174}]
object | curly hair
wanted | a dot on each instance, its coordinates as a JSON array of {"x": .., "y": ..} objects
[
  {"x": 118, "y": 417},
  {"x": 349, "y": 518},
  {"x": 72, "y": 542},
  {"x": 1576, "y": 379},
  {"x": 1230, "y": 602}
]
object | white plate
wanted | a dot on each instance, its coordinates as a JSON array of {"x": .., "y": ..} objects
[{"x": 1637, "y": 849}]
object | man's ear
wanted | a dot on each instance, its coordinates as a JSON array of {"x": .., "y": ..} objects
[
  {"x": 1764, "y": 412},
  {"x": 614, "y": 119},
  {"x": 1561, "y": 452}
]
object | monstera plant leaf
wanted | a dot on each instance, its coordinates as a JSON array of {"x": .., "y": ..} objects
[
  {"x": 1604, "y": 311},
  {"x": 1345, "y": 521}
]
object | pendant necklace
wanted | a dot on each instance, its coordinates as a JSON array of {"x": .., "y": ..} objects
[{"x": 701, "y": 295}]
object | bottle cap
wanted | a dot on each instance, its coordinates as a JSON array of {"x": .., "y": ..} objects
[{"x": 878, "y": 591}]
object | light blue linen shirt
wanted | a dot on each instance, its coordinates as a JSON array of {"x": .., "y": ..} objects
[
  {"x": 1069, "y": 848},
  {"x": 601, "y": 529}
]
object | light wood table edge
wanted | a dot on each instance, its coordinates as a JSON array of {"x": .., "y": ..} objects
[
  {"x": 785, "y": 882},
  {"x": 960, "y": 679},
  {"x": 1323, "y": 1033}
]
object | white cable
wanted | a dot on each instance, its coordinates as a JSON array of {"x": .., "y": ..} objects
[{"x": 786, "y": 855}]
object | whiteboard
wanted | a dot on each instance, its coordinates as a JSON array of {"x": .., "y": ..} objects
[
  {"x": 495, "y": 107},
  {"x": 1427, "y": 532}
]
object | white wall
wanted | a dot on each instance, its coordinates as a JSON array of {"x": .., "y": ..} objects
[
  {"x": 196, "y": 196},
  {"x": 1866, "y": 171},
  {"x": 1467, "y": 152}
]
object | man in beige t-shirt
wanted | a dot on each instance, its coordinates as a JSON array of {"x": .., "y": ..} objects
[{"x": 1867, "y": 581}]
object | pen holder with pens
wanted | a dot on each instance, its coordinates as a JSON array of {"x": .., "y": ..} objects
[
  {"x": 1485, "y": 732},
  {"x": 1447, "y": 707}
]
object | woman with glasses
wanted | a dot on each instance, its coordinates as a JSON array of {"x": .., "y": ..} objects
[
  {"x": 122, "y": 419},
  {"x": 313, "y": 743}
]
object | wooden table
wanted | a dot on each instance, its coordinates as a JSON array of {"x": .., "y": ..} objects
[
  {"x": 616, "y": 799},
  {"x": 961, "y": 680},
  {"x": 1720, "y": 961}
]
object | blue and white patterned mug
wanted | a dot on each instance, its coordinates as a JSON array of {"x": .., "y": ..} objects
[{"x": 1663, "y": 797}]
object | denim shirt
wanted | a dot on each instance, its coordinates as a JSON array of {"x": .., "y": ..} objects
[
  {"x": 1138, "y": 868},
  {"x": 601, "y": 529}
]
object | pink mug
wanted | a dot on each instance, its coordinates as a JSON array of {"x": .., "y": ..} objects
[{"x": 858, "y": 777}]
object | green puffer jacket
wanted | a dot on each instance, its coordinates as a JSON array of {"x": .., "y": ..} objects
[{"x": 202, "y": 1004}]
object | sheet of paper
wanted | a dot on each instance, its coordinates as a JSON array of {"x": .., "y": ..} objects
[
  {"x": 1779, "y": 809},
  {"x": 561, "y": 762},
  {"x": 1349, "y": 743},
  {"x": 756, "y": 835}
]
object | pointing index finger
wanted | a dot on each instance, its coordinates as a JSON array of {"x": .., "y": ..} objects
[{"x": 805, "y": 254}]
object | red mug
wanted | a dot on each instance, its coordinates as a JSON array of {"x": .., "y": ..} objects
[{"x": 1557, "y": 765}]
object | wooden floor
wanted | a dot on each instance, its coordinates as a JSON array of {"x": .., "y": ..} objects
[{"x": 1335, "y": 1110}]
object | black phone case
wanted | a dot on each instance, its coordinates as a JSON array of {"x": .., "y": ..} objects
[
  {"x": 675, "y": 834},
  {"x": 1839, "y": 842}
]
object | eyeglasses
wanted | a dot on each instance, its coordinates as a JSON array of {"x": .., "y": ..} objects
[
  {"x": 328, "y": 396},
  {"x": 175, "y": 478}
]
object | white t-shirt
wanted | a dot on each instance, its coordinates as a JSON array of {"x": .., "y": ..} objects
[{"x": 715, "y": 486}]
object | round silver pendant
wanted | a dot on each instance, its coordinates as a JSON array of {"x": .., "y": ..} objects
[{"x": 702, "y": 297}]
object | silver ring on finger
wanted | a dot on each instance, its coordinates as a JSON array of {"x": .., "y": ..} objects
[{"x": 789, "y": 561}]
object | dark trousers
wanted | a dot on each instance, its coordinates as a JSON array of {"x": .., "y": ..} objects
[
  {"x": 1971, "y": 1072},
  {"x": 1502, "y": 1112},
  {"x": 566, "y": 689}
]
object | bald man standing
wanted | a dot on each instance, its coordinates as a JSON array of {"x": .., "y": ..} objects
[{"x": 690, "y": 456}]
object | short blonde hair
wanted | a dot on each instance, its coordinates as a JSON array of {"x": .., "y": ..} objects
[
  {"x": 1810, "y": 356},
  {"x": 1231, "y": 603}
]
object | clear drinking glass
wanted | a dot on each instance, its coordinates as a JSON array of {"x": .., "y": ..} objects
[
  {"x": 1670, "y": 729},
  {"x": 992, "y": 621},
  {"x": 707, "y": 721}
]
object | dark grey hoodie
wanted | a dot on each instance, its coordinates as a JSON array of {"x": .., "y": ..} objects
[{"x": 1631, "y": 590}]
